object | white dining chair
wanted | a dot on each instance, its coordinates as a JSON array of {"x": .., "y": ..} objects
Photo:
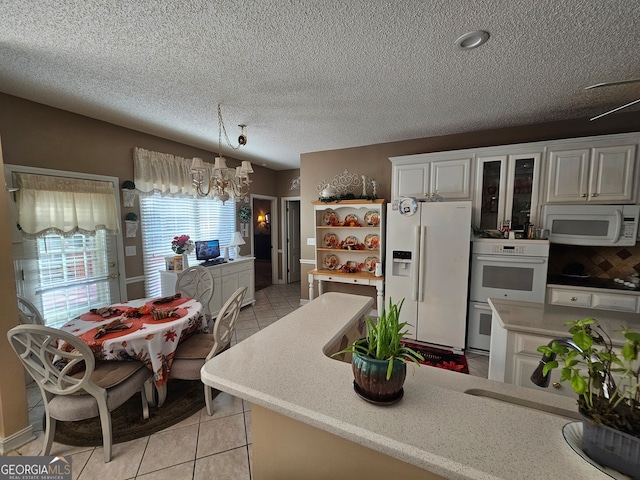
[
  {"x": 72, "y": 385},
  {"x": 197, "y": 282},
  {"x": 28, "y": 313},
  {"x": 198, "y": 349}
]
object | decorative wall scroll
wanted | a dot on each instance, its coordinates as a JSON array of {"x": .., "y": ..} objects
[{"x": 348, "y": 186}]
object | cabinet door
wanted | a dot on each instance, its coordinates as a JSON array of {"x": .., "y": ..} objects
[
  {"x": 215, "y": 304},
  {"x": 229, "y": 286},
  {"x": 524, "y": 366},
  {"x": 521, "y": 194},
  {"x": 246, "y": 279},
  {"x": 612, "y": 173},
  {"x": 568, "y": 176},
  {"x": 451, "y": 179},
  {"x": 412, "y": 180},
  {"x": 489, "y": 195}
]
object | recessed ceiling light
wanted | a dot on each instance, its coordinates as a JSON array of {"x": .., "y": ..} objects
[{"x": 472, "y": 40}]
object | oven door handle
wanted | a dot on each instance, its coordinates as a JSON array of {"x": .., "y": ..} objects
[{"x": 497, "y": 259}]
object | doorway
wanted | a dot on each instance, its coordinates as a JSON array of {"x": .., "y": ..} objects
[
  {"x": 291, "y": 239},
  {"x": 265, "y": 235}
]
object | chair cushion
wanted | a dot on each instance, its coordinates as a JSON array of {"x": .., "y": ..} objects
[
  {"x": 196, "y": 346},
  {"x": 108, "y": 374},
  {"x": 71, "y": 408}
]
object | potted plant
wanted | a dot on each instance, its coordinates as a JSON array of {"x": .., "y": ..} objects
[
  {"x": 608, "y": 388},
  {"x": 379, "y": 359}
]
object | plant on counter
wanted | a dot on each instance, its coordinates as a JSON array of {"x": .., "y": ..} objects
[
  {"x": 605, "y": 402},
  {"x": 379, "y": 359}
]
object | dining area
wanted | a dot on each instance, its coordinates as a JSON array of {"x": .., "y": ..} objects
[{"x": 132, "y": 351}]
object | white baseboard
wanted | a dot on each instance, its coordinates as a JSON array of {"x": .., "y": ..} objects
[{"x": 16, "y": 440}]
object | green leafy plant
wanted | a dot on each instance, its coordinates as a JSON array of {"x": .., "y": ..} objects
[
  {"x": 607, "y": 384},
  {"x": 383, "y": 339}
]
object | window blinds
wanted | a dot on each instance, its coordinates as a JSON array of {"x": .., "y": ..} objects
[{"x": 164, "y": 217}]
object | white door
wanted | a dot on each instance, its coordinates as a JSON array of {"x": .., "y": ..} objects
[{"x": 293, "y": 241}]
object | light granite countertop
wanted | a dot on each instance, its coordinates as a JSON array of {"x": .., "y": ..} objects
[
  {"x": 549, "y": 320},
  {"x": 436, "y": 426}
]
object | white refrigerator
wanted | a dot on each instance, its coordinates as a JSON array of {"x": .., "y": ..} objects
[{"x": 427, "y": 264}]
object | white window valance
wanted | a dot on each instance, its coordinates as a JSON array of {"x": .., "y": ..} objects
[
  {"x": 163, "y": 173},
  {"x": 49, "y": 204}
]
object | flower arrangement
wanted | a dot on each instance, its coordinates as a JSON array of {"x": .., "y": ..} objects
[{"x": 182, "y": 244}]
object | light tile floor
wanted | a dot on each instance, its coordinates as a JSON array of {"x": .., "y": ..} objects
[{"x": 200, "y": 447}]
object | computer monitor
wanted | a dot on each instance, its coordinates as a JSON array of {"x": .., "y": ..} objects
[{"x": 207, "y": 250}]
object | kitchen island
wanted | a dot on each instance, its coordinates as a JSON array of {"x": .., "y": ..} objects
[
  {"x": 519, "y": 328},
  {"x": 307, "y": 421}
]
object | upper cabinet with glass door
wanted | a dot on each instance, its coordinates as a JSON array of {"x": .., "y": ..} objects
[{"x": 506, "y": 189}]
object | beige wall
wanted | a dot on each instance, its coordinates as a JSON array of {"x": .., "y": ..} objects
[
  {"x": 373, "y": 161},
  {"x": 40, "y": 136}
]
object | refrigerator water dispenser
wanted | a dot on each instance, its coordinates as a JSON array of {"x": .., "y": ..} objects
[{"x": 401, "y": 263}]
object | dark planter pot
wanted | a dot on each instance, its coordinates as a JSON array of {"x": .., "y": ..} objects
[
  {"x": 370, "y": 378},
  {"x": 611, "y": 448}
]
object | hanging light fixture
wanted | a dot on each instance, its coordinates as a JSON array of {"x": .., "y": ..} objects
[{"x": 223, "y": 182}]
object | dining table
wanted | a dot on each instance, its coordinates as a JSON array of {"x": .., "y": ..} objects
[{"x": 146, "y": 329}]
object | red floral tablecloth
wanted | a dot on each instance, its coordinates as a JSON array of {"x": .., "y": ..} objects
[{"x": 151, "y": 341}]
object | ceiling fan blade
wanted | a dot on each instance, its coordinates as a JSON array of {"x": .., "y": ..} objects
[
  {"x": 609, "y": 84},
  {"x": 615, "y": 109}
]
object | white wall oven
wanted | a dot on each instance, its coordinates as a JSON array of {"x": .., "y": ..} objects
[{"x": 506, "y": 269}]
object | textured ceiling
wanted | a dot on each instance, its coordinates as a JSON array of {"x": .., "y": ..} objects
[{"x": 317, "y": 75}]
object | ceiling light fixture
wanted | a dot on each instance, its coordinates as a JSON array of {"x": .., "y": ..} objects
[
  {"x": 223, "y": 182},
  {"x": 472, "y": 40}
]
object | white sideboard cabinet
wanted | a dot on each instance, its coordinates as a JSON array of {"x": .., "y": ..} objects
[{"x": 227, "y": 278}]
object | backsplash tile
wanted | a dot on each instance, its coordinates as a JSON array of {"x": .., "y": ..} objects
[{"x": 599, "y": 262}]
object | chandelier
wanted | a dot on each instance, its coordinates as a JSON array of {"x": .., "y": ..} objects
[{"x": 223, "y": 182}]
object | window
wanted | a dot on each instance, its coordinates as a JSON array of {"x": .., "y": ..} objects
[
  {"x": 66, "y": 276},
  {"x": 164, "y": 217}
]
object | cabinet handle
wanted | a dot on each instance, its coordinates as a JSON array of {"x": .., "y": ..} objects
[
  {"x": 583, "y": 195},
  {"x": 594, "y": 194},
  {"x": 556, "y": 385},
  {"x": 573, "y": 299}
]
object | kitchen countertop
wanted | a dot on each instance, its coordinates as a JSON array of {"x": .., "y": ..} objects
[
  {"x": 436, "y": 426},
  {"x": 549, "y": 320},
  {"x": 592, "y": 284}
]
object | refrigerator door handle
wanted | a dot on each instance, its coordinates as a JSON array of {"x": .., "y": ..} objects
[
  {"x": 416, "y": 267},
  {"x": 421, "y": 266}
]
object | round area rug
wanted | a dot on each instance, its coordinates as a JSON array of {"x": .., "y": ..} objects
[{"x": 184, "y": 398}]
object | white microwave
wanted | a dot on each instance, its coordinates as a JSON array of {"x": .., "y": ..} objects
[{"x": 600, "y": 225}]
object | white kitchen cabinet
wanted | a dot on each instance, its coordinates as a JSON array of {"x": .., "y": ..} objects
[
  {"x": 593, "y": 298},
  {"x": 506, "y": 189},
  {"x": 425, "y": 176},
  {"x": 227, "y": 277},
  {"x": 591, "y": 174}
]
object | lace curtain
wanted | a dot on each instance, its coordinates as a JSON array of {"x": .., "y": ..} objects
[
  {"x": 48, "y": 204},
  {"x": 162, "y": 173}
]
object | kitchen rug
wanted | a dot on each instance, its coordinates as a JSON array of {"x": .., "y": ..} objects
[
  {"x": 184, "y": 398},
  {"x": 440, "y": 358}
]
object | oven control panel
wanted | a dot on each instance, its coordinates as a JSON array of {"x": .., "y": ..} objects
[{"x": 509, "y": 249}]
